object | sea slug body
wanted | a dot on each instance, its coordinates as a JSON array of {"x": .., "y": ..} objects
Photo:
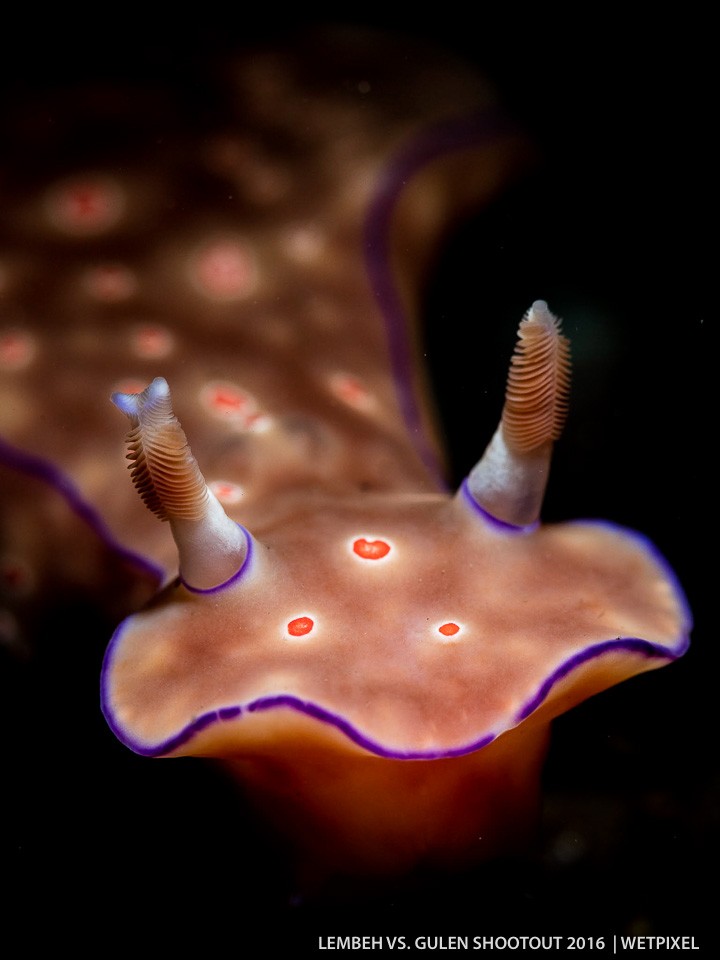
[{"x": 378, "y": 659}]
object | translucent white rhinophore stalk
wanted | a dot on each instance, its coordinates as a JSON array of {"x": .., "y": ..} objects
[
  {"x": 509, "y": 481},
  {"x": 211, "y": 546}
]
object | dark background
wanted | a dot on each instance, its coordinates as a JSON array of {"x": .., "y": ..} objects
[{"x": 613, "y": 228}]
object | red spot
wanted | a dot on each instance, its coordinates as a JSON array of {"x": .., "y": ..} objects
[
  {"x": 152, "y": 342},
  {"x": 16, "y": 579},
  {"x": 351, "y": 390},
  {"x": 224, "y": 271},
  {"x": 227, "y": 400},
  {"x": 226, "y": 491},
  {"x": 300, "y": 626},
  {"x": 231, "y": 402},
  {"x": 371, "y": 549},
  {"x": 16, "y": 349},
  {"x": 449, "y": 629},
  {"x": 110, "y": 283},
  {"x": 86, "y": 206}
]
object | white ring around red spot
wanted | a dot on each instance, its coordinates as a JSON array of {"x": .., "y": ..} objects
[
  {"x": 17, "y": 349},
  {"x": 229, "y": 402},
  {"x": 224, "y": 270},
  {"x": 369, "y": 547},
  {"x": 110, "y": 282},
  {"x": 227, "y": 492},
  {"x": 85, "y": 206},
  {"x": 351, "y": 390},
  {"x": 448, "y": 630},
  {"x": 152, "y": 342}
]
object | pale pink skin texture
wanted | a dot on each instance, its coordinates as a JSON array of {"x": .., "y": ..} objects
[{"x": 386, "y": 710}]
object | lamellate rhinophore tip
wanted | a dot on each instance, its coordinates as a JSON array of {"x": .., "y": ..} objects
[
  {"x": 212, "y": 548},
  {"x": 509, "y": 481}
]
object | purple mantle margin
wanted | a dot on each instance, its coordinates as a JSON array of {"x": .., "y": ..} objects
[
  {"x": 317, "y": 712},
  {"x": 353, "y": 733},
  {"x": 438, "y": 140},
  {"x": 47, "y": 472}
]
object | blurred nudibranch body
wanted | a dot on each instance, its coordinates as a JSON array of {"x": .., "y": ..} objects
[{"x": 379, "y": 659}]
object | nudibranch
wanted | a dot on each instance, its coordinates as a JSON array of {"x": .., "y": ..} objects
[
  {"x": 381, "y": 668},
  {"x": 376, "y": 658}
]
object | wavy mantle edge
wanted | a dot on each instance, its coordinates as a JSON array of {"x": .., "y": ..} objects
[{"x": 354, "y": 733}]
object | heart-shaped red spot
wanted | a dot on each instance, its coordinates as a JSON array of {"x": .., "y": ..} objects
[{"x": 371, "y": 549}]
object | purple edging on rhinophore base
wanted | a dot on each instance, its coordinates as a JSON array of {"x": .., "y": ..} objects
[
  {"x": 47, "y": 472},
  {"x": 490, "y": 519},
  {"x": 432, "y": 143},
  {"x": 242, "y": 569}
]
